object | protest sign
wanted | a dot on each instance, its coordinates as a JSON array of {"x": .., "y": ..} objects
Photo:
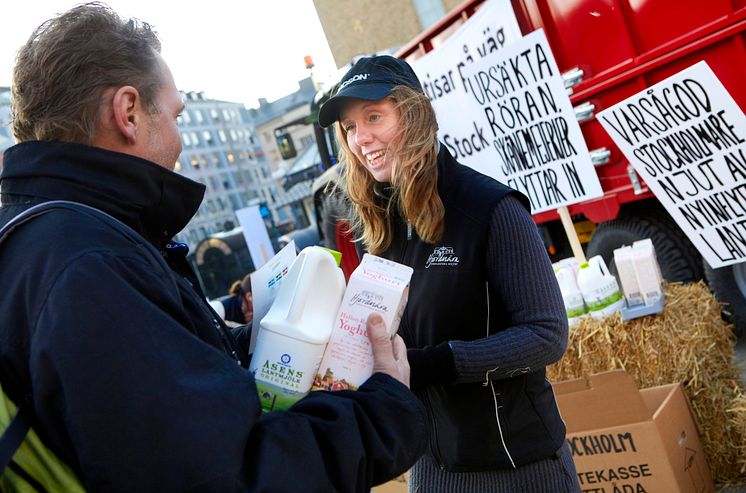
[
  {"x": 255, "y": 234},
  {"x": 685, "y": 137},
  {"x": 491, "y": 28},
  {"x": 265, "y": 282},
  {"x": 524, "y": 132}
]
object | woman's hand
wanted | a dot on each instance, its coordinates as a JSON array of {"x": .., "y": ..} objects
[{"x": 389, "y": 355}]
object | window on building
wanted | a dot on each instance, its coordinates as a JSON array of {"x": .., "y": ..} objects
[
  {"x": 233, "y": 134},
  {"x": 226, "y": 115},
  {"x": 216, "y": 161},
  {"x": 215, "y": 184},
  {"x": 223, "y": 137},
  {"x": 207, "y": 137},
  {"x": 194, "y": 161},
  {"x": 265, "y": 173},
  {"x": 230, "y": 157},
  {"x": 198, "y": 116},
  {"x": 186, "y": 140},
  {"x": 177, "y": 166},
  {"x": 195, "y": 138},
  {"x": 214, "y": 115}
]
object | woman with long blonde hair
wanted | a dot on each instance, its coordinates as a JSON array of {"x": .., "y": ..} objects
[{"x": 485, "y": 314}]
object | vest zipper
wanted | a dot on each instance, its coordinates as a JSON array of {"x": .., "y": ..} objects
[
  {"x": 492, "y": 386},
  {"x": 499, "y": 426},
  {"x": 403, "y": 327}
]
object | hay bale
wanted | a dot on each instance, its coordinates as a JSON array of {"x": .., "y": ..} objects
[{"x": 687, "y": 343}]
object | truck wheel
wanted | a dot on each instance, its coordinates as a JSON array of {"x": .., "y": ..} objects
[
  {"x": 678, "y": 258},
  {"x": 729, "y": 286}
]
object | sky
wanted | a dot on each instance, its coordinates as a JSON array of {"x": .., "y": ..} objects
[{"x": 233, "y": 50}]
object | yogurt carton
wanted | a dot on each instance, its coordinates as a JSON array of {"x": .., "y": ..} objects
[{"x": 376, "y": 286}]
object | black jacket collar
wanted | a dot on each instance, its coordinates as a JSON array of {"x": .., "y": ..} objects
[{"x": 152, "y": 200}]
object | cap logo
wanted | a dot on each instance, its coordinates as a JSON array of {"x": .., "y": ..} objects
[{"x": 352, "y": 79}]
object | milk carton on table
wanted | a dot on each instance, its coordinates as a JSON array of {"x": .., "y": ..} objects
[{"x": 376, "y": 286}]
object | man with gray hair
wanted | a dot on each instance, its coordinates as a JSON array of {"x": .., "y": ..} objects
[{"x": 129, "y": 376}]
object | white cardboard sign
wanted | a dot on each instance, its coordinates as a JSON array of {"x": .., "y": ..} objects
[
  {"x": 489, "y": 30},
  {"x": 685, "y": 136},
  {"x": 265, "y": 282},
  {"x": 255, "y": 234},
  {"x": 518, "y": 126}
]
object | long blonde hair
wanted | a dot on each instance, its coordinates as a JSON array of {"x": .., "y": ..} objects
[{"x": 414, "y": 177}]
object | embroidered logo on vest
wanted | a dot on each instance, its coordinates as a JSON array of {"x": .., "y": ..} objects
[{"x": 442, "y": 256}]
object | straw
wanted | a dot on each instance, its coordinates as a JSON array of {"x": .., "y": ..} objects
[{"x": 687, "y": 343}]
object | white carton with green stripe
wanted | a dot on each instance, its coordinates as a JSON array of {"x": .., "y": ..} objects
[{"x": 600, "y": 288}]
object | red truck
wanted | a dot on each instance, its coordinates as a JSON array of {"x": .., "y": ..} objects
[{"x": 607, "y": 50}]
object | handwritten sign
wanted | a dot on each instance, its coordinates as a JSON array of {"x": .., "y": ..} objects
[
  {"x": 517, "y": 125},
  {"x": 685, "y": 137},
  {"x": 265, "y": 283},
  {"x": 489, "y": 30}
]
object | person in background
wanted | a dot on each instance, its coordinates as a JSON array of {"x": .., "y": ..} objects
[
  {"x": 485, "y": 314},
  {"x": 239, "y": 307},
  {"x": 105, "y": 335}
]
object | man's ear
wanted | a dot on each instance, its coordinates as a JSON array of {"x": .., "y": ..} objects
[{"x": 126, "y": 106}]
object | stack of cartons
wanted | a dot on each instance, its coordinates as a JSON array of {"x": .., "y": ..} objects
[{"x": 641, "y": 279}]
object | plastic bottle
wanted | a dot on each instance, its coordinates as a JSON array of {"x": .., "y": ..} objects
[
  {"x": 294, "y": 333},
  {"x": 600, "y": 288},
  {"x": 571, "y": 295}
]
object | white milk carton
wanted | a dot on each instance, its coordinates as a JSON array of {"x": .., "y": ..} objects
[
  {"x": 599, "y": 287},
  {"x": 648, "y": 271},
  {"x": 376, "y": 286},
  {"x": 569, "y": 262},
  {"x": 294, "y": 333},
  {"x": 571, "y": 295},
  {"x": 625, "y": 268}
]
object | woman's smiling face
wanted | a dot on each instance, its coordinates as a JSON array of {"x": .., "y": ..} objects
[{"x": 370, "y": 127}]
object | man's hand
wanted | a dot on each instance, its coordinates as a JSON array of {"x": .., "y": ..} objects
[{"x": 389, "y": 356}]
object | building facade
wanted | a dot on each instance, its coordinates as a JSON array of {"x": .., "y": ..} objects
[
  {"x": 289, "y": 114},
  {"x": 221, "y": 151},
  {"x": 6, "y": 135},
  {"x": 364, "y": 27}
]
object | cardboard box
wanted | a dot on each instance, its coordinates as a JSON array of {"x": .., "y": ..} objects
[{"x": 629, "y": 440}]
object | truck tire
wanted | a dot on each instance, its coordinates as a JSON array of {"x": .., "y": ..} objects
[
  {"x": 678, "y": 258},
  {"x": 729, "y": 286}
]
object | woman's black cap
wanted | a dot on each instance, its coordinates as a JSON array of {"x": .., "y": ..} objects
[{"x": 370, "y": 78}]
